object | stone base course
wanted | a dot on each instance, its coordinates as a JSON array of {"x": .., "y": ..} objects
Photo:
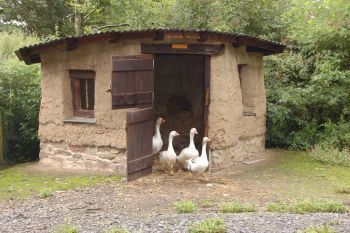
[{"x": 64, "y": 156}]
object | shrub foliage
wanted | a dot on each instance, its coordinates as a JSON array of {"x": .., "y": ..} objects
[{"x": 19, "y": 99}]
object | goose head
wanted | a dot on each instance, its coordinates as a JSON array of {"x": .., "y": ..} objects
[
  {"x": 174, "y": 134},
  {"x": 160, "y": 121},
  {"x": 193, "y": 131},
  {"x": 206, "y": 140}
]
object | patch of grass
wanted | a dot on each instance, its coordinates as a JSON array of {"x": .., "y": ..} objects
[
  {"x": 17, "y": 182},
  {"x": 297, "y": 175},
  {"x": 211, "y": 225},
  {"x": 329, "y": 154},
  {"x": 206, "y": 203},
  {"x": 236, "y": 207},
  {"x": 343, "y": 189},
  {"x": 318, "y": 229},
  {"x": 311, "y": 205},
  {"x": 66, "y": 227},
  {"x": 184, "y": 207},
  {"x": 45, "y": 193},
  {"x": 279, "y": 207},
  {"x": 116, "y": 230}
]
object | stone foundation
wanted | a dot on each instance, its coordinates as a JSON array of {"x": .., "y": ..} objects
[
  {"x": 245, "y": 149},
  {"x": 61, "y": 155}
]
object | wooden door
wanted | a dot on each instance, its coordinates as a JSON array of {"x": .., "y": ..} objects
[
  {"x": 140, "y": 124},
  {"x": 132, "y": 81},
  {"x": 132, "y": 87}
]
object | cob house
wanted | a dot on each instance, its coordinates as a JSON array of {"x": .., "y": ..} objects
[{"x": 101, "y": 94}]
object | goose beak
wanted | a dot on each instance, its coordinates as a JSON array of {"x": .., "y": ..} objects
[
  {"x": 195, "y": 132},
  {"x": 177, "y": 134},
  {"x": 162, "y": 120}
]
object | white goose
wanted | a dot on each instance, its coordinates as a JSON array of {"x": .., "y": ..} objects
[
  {"x": 189, "y": 152},
  {"x": 199, "y": 165},
  {"x": 168, "y": 158},
  {"x": 157, "y": 141}
]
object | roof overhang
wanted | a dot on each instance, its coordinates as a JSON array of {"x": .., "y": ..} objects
[{"x": 31, "y": 54}]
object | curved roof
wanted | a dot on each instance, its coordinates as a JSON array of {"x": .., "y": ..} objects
[{"x": 31, "y": 54}]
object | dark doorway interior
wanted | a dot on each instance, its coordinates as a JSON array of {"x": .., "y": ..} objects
[{"x": 178, "y": 96}]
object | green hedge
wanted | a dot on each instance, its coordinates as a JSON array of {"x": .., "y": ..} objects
[{"x": 19, "y": 99}]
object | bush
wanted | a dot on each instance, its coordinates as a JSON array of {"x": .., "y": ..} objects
[
  {"x": 236, "y": 207},
  {"x": 307, "y": 206},
  {"x": 213, "y": 225},
  {"x": 19, "y": 99},
  {"x": 307, "y": 86},
  {"x": 184, "y": 207},
  {"x": 328, "y": 153}
]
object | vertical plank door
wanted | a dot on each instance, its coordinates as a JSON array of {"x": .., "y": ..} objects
[
  {"x": 140, "y": 124},
  {"x": 132, "y": 87}
]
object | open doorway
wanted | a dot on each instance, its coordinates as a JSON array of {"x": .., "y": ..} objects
[{"x": 178, "y": 96}]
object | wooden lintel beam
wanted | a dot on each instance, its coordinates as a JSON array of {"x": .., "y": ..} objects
[
  {"x": 200, "y": 49},
  {"x": 158, "y": 35},
  {"x": 71, "y": 44}
]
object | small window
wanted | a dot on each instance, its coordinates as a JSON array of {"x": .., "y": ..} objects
[
  {"x": 83, "y": 92},
  {"x": 248, "y": 89}
]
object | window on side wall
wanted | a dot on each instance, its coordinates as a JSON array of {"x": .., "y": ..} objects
[{"x": 83, "y": 92}]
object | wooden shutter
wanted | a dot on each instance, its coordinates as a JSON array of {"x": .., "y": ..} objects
[
  {"x": 132, "y": 81},
  {"x": 140, "y": 124}
]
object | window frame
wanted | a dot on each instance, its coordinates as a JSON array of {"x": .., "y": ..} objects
[
  {"x": 247, "y": 110},
  {"x": 75, "y": 77}
]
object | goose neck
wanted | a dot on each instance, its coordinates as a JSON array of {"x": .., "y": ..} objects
[
  {"x": 204, "y": 149},
  {"x": 157, "y": 129},
  {"x": 170, "y": 143},
  {"x": 191, "y": 140}
]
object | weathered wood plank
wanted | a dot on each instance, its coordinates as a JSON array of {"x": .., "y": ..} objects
[
  {"x": 139, "y": 174},
  {"x": 139, "y": 143},
  {"x": 200, "y": 49},
  {"x": 132, "y": 64},
  {"x": 140, "y": 115},
  {"x": 132, "y": 98}
]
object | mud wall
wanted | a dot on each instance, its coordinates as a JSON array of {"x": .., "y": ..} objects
[
  {"x": 236, "y": 136},
  {"x": 56, "y": 98}
]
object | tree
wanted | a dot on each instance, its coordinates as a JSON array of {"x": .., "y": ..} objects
[
  {"x": 308, "y": 86},
  {"x": 87, "y": 13},
  {"x": 43, "y": 17},
  {"x": 19, "y": 99}
]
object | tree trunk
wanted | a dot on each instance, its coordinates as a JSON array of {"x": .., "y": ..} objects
[{"x": 78, "y": 21}]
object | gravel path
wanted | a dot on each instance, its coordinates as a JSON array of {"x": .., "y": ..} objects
[
  {"x": 99, "y": 208},
  {"x": 19, "y": 221}
]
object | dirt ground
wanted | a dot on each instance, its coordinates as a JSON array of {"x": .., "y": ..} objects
[
  {"x": 257, "y": 183},
  {"x": 147, "y": 203}
]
